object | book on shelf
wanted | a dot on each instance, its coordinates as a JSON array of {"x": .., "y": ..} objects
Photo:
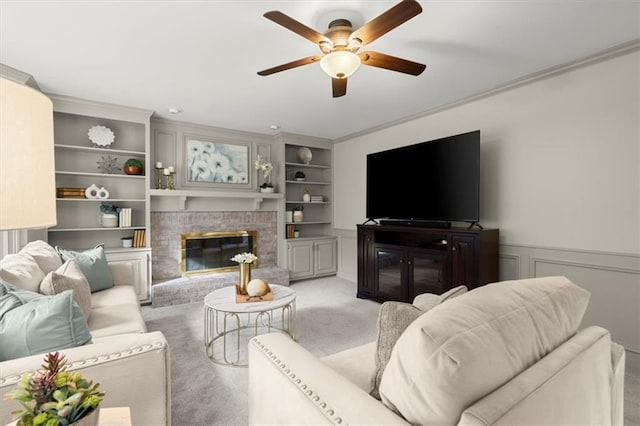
[
  {"x": 139, "y": 238},
  {"x": 124, "y": 218},
  {"x": 290, "y": 230}
]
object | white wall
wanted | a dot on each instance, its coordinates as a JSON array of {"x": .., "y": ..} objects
[{"x": 560, "y": 171}]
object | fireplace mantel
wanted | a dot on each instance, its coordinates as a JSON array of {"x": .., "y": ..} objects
[{"x": 184, "y": 195}]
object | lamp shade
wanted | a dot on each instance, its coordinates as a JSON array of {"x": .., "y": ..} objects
[
  {"x": 340, "y": 64},
  {"x": 27, "y": 176}
]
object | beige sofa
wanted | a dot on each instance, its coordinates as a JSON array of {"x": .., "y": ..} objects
[
  {"x": 131, "y": 364},
  {"x": 502, "y": 354}
]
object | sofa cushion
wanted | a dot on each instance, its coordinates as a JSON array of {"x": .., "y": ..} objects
[
  {"x": 122, "y": 319},
  {"x": 31, "y": 323},
  {"x": 115, "y": 296},
  {"x": 21, "y": 270},
  {"x": 461, "y": 350},
  {"x": 93, "y": 263},
  {"x": 393, "y": 319},
  {"x": 45, "y": 256},
  {"x": 69, "y": 276}
]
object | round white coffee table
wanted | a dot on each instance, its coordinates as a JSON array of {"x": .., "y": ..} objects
[{"x": 222, "y": 319}]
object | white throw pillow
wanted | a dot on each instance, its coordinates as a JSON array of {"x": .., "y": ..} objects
[
  {"x": 69, "y": 276},
  {"x": 460, "y": 351},
  {"x": 45, "y": 256},
  {"x": 22, "y": 271}
]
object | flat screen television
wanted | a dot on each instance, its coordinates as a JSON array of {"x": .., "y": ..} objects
[{"x": 434, "y": 181}]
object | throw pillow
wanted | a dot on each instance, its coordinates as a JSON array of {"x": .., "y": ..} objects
[
  {"x": 22, "y": 271},
  {"x": 393, "y": 319},
  {"x": 464, "y": 349},
  {"x": 427, "y": 301},
  {"x": 33, "y": 324},
  {"x": 45, "y": 256},
  {"x": 69, "y": 276},
  {"x": 94, "y": 266}
]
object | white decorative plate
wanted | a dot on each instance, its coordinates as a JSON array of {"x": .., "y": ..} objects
[
  {"x": 101, "y": 136},
  {"x": 304, "y": 155}
]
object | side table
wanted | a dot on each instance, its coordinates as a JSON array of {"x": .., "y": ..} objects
[{"x": 222, "y": 320}]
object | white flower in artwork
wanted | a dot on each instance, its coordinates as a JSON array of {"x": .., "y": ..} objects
[{"x": 200, "y": 170}]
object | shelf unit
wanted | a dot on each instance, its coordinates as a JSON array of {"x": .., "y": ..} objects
[
  {"x": 314, "y": 253},
  {"x": 76, "y": 164}
]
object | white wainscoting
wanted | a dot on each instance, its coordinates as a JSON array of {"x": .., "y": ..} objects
[{"x": 613, "y": 279}]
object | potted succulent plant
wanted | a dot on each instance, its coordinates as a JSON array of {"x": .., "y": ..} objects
[
  {"x": 109, "y": 218},
  {"x": 300, "y": 176},
  {"x": 56, "y": 396},
  {"x": 132, "y": 166}
]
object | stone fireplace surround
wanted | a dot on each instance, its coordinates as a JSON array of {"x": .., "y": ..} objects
[
  {"x": 167, "y": 228},
  {"x": 170, "y": 288}
]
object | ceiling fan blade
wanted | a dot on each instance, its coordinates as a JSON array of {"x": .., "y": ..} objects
[
  {"x": 381, "y": 60},
  {"x": 295, "y": 26},
  {"x": 289, "y": 65},
  {"x": 339, "y": 86},
  {"x": 379, "y": 26}
]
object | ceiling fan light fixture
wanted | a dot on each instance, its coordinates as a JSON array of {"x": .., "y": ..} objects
[{"x": 340, "y": 64}]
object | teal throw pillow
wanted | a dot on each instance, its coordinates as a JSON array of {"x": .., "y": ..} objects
[
  {"x": 31, "y": 323},
  {"x": 94, "y": 266}
]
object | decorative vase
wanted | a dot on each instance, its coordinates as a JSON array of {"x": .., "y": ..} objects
[
  {"x": 132, "y": 170},
  {"x": 306, "y": 197},
  {"x": 92, "y": 192},
  {"x": 245, "y": 277},
  {"x": 268, "y": 189},
  {"x": 304, "y": 155},
  {"x": 109, "y": 220},
  {"x": 298, "y": 216}
]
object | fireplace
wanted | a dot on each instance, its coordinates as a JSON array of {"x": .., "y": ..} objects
[{"x": 205, "y": 252}]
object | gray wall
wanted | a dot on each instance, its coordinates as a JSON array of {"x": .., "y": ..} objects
[{"x": 560, "y": 179}]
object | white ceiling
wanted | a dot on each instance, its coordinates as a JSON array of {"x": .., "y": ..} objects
[{"x": 202, "y": 56}]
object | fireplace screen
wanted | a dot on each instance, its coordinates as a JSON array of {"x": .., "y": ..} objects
[{"x": 212, "y": 251}]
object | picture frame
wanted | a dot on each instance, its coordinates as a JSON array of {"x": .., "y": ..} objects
[{"x": 217, "y": 164}]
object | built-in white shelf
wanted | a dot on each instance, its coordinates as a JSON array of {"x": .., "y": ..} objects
[
  {"x": 99, "y": 150},
  {"x": 309, "y": 223},
  {"x": 307, "y": 182},
  {"x": 99, "y": 200},
  {"x": 97, "y": 228},
  {"x": 93, "y": 174},
  {"x": 310, "y": 166}
]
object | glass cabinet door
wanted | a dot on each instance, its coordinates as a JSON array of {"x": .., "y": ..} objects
[
  {"x": 390, "y": 272},
  {"x": 427, "y": 273}
]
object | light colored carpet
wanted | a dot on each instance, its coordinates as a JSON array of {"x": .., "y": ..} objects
[{"x": 329, "y": 319}]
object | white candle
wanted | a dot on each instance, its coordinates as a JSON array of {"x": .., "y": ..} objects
[
  {"x": 166, "y": 172},
  {"x": 171, "y": 169},
  {"x": 159, "y": 165}
]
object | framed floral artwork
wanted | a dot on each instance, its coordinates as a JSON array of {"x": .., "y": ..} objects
[{"x": 216, "y": 163}]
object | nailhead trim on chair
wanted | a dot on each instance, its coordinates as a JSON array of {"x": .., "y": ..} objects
[
  {"x": 311, "y": 395},
  {"x": 95, "y": 360}
]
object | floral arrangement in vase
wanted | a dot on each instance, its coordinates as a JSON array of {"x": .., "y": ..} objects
[
  {"x": 266, "y": 168},
  {"x": 54, "y": 396},
  {"x": 244, "y": 260}
]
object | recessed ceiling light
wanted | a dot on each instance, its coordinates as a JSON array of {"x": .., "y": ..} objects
[
  {"x": 274, "y": 127},
  {"x": 175, "y": 110}
]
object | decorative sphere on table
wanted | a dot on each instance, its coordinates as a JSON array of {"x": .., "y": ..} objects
[{"x": 257, "y": 287}]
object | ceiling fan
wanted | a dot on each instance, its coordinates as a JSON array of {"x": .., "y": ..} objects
[{"x": 340, "y": 45}]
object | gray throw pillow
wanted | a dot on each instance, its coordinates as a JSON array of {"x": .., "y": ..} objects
[
  {"x": 393, "y": 319},
  {"x": 32, "y": 323},
  {"x": 69, "y": 276},
  {"x": 94, "y": 266}
]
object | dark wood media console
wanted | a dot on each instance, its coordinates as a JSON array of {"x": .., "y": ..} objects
[{"x": 400, "y": 262}]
